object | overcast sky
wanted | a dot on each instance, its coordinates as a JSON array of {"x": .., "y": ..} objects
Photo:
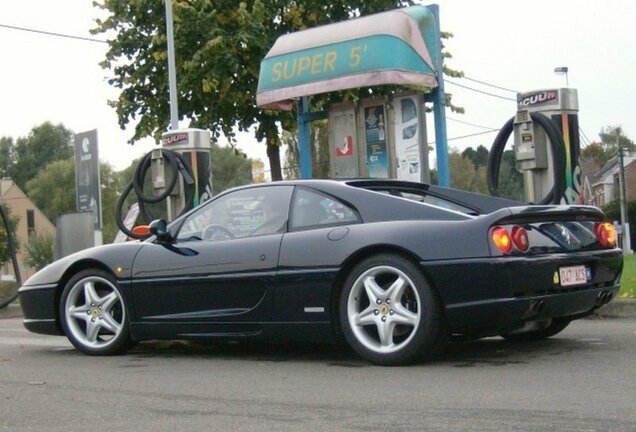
[{"x": 507, "y": 43}]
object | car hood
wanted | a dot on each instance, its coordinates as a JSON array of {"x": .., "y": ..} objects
[{"x": 117, "y": 258}]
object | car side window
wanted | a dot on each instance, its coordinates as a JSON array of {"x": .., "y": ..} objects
[
  {"x": 314, "y": 209},
  {"x": 243, "y": 213}
]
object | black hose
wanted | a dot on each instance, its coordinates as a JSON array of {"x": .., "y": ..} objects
[
  {"x": 179, "y": 167},
  {"x": 14, "y": 260},
  {"x": 558, "y": 158}
]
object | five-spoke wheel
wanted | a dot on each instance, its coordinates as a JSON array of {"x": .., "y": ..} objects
[
  {"x": 94, "y": 314},
  {"x": 388, "y": 312}
]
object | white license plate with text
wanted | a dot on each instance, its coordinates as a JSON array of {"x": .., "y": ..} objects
[{"x": 573, "y": 275}]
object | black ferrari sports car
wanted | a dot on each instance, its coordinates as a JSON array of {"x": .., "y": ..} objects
[{"x": 392, "y": 267}]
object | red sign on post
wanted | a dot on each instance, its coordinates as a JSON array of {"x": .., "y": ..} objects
[{"x": 347, "y": 147}]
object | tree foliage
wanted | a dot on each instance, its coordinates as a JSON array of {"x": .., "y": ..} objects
[
  {"x": 468, "y": 172},
  {"x": 465, "y": 174},
  {"x": 230, "y": 168},
  {"x": 39, "y": 250},
  {"x": 603, "y": 151},
  {"x": 53, "y": 189},
  {"x": 613, "y": 212},
  {"x": 218, "y": 46},
  {"x": 479, "y": 157},
  {"x": 510, "y": 180},
  {"x": 4, "y": 241},
  {"x": 22, "y": 159},
  {"x": 53, "y": 192}
]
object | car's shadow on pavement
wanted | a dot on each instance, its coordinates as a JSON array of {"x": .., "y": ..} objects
[{"x": 489, "y": 351}]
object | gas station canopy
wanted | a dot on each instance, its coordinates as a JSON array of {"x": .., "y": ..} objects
[{"x": 392, "y": 47}]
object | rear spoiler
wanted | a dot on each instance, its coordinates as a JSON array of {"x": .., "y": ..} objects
[{"x": 555, "y": 213}]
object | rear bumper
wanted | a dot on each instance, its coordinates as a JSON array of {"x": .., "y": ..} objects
[
  {"x": 491, "y": 295},
  {"x": 38, "y": 306},
  {"x": 493, "y": 317}
]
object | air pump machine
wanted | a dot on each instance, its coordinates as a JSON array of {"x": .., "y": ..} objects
[
  {"x": 181, "y": 173},
  {"x": 546, "y": 145}
]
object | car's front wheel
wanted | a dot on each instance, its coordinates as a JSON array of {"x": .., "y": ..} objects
[
  {"x": 388, "y": 312},
  {"x": 94, "y": 314}
]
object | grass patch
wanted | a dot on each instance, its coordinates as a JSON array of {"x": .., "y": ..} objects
[{"x": 628, "y": 280}]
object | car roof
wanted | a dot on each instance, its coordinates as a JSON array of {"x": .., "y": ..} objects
[{"x": 472, "y": 203}]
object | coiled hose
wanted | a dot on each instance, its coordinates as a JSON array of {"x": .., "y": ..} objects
[
  {"x": 558, "y": 158},
  {"x": 179, "y": 167}
]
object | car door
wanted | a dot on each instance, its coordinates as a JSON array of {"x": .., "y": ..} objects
[
  {"x": 311, "y": 253},
  {"x": 219, "y": 268}
]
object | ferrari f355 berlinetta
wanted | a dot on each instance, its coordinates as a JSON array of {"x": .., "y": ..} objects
[{"x": 391, "y": 267}]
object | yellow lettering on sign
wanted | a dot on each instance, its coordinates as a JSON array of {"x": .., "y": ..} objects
[
  {"x": 316, "y": 63},
  {"x": 303, "y": 64},
  {"x": 289, "y": 73},
  {"x": 277, "y": 70},
  {"x": 355, "y": 56},
  {"x": 330, "y": 58}
]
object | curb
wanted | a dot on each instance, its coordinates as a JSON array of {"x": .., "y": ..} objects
[{"x": 625, "y": 308}]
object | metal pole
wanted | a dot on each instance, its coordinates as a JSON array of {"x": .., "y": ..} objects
[
  {"x": 439, "y": 107},
  {"x": 304, "y": 139},
  {"x": 172, "y": 76},
  {"x": 627, "y": 248}
]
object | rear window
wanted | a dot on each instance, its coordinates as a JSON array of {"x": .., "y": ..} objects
[{"x": 425, "y": 198}]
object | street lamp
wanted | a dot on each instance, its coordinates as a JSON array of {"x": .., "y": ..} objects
[
  {"x": 627, "y": 246},
  {"x": 562, "y": 70}
]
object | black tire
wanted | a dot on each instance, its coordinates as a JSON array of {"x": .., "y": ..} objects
[
  {"x": 389, "y": 314},
  {"x": 94, "y": 314},
  {"x": 555, "y": 326}
]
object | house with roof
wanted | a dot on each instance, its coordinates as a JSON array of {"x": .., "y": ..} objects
[
  {"x": 602, "y": 187},
  {"x": 31, "y": 221}
]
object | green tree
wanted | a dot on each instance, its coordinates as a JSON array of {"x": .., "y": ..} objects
[
  {"x": 5, "y": 255},
  {"x": 21, "y": 160},
  {"x": 479, "y": 157},
  {"x": 39, "y": 250},
  {"x": 230, "y": 168},
  {"x": 464, "y": 174},
  {"x": 609, "y": 135},
  {"x": 7, "y": 156},
  {"x": 219, "y": 46},
  {"x": 53, "y": 192},
  {"x": 510, "y": 180},
  {"x": 613, "y": 213},
  {"x": 607, "y": 148},
  {"x": 595, "y": 151}
]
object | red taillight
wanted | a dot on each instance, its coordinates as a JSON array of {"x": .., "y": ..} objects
[
  {"x": 520, "y": 238},
  {"x": 606, "y": 234},
  {"x": 501, "y": 238}
]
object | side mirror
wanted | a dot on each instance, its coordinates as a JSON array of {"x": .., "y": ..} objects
[{"x": 159, "y": 228}]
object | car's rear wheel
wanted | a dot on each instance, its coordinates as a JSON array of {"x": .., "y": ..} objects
[
  {"x": 542, "y": 330},
  {"x": 388, "y": 312},
  {"x": 94, "y": 314}
]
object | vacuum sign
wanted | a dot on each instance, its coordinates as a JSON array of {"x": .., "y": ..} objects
[
  {"x": 87, "y": 176},
  {"x": 538, "y": 98}
]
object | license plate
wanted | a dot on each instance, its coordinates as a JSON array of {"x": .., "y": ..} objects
[{"x": 574, "y": 275}]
